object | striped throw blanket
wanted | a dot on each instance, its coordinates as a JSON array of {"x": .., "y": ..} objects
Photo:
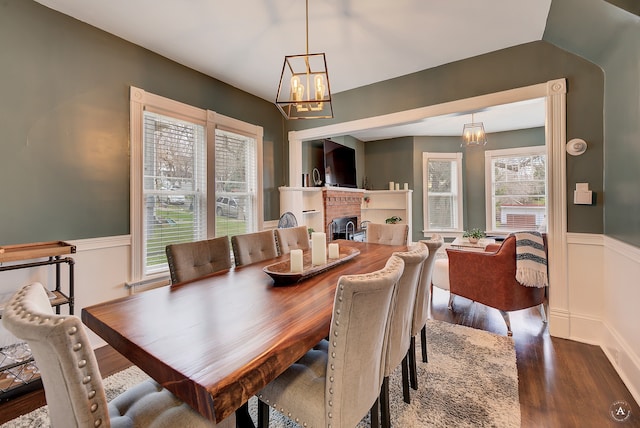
[{"x": 531, "y": 260}]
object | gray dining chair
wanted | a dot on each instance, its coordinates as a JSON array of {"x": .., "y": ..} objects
[
  {"x": 192, "y": 260},
  {"x": 338, "y": 382},
  {"x": 292, "y": 238},
  {"x": 400, "y": 326},
  {"x": 421, "y": 308},
  {"x": 72, "y": 382},
  {"x": 254, "y": 247},
  {"x": 389, "y": 234}
]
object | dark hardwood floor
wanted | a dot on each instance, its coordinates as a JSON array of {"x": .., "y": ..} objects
[{"x": 562, "y": 383}]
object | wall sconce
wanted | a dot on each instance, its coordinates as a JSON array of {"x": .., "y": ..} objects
[{"x": 576, "y": 147}]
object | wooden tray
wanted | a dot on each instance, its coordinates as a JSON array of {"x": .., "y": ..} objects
[
  {"x": 10, "y": 253},
  {"x": 281, "y": 271}
]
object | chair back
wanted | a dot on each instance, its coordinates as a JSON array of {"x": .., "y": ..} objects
[
  {"x": 254, "y": 247},
  {"x": 357, "y": 343},
  {"x": 68, "y": 367},
  {"x": 389, "y": 234},
  {"x": 292, "y": 238},
  {"x": 421, "y": 308},
  {"x": 193, "y": 260},
  {"x": 287, "y": 219},
  {"x": 402, "y": 308}
]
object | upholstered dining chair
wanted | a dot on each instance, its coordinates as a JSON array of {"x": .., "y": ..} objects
[
  {"x": 338, "y": 382},
  {"x": 72, "y": 382},
  {"x": 254, "y": 247},
  {"x": 400, "y": 326},
  {"x": 421, "y": 308},
  {"x": 292, "y": 238},
  {"x": 192, "y": 260},
  {"x": 389, "y": 234}
]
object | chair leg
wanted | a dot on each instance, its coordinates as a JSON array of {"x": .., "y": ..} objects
[
  {"x": 263, "y": 415},
  {"x": 450, "y": 305},
  {"x": 544, "y": 312},
  {"x": 507, "y": 321},
  {"x": 375, "y": 414},
  {"x": 385, "y": 410},
  {"x": 405, "y": 379},
  {"x": 423, "y": 342},
  {"x": 413, "y": 371}
]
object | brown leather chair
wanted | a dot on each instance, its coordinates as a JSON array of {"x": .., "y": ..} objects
[
  {"x": 490, "y": 278},
  {"x": 254, "y": 247},
  {"x": 193, "y": 260}
]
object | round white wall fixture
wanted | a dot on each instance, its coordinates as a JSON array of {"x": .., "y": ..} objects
[{"x": 576, "y": 147}]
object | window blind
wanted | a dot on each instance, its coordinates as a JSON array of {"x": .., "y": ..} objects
[
  {"x": 519, "y": 200},
  {"x": 174, "y": 185},
  {"x": 236, "y": 183}
]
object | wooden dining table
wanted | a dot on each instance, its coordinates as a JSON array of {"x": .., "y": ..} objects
[{"x": 217, "y": 341}]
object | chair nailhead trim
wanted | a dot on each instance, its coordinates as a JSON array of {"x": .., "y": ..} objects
[
  {"x": 77, "y": 347},
  {"x": 94, "y": 407},
  {"x": 86, "y": 379},
  {"x": 97, "y": 422},
  {"x": 92, "y": 394},
  {"x": 73, "y": 330},
  {"x": 82, "y": 363}
]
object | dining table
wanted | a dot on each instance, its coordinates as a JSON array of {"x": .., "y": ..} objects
[{"x": 216, "y": 341}]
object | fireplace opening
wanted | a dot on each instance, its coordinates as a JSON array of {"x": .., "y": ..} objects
[{"x": 345, "y": 228}]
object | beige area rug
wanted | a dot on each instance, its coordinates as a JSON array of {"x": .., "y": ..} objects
[{"x": 471, "y": 380}]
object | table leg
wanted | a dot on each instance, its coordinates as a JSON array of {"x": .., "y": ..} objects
[{"x": 243, "y": 419}]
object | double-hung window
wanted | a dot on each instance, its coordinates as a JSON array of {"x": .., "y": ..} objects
[
  {"x": 195, "y": 174},
  {"x": 516, "y": 189},
  {"x": 442, "y": 184}
]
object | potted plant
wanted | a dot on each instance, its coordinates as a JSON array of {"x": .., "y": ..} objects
[
  {"x": 474, "y": 235},
  {"x": 393, "y": 220},
  {"x": 366, "y": 200},
  {"x": 310, "y": 230}
]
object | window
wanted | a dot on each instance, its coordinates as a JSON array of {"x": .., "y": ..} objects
[
  {"x": 516, "y": 189},
  {"x": 195, "y": 174},
  {"x": 442, "y": 176}
]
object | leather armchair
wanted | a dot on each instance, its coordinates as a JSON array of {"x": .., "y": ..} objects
[{"x": 490, "y": 278}]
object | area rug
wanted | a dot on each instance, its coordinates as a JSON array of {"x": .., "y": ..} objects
[{"x": 471, "y": 380}]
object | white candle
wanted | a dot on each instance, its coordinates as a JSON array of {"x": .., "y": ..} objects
[
  {"x": 397, "y": 186},
  {"x": 318, "y": 248},
  {"x": 296, "y": 260},
  {"x": 406, "y": 186},
  {"x": 391, "y": 185},
  {"x": 334, "y": 251}
]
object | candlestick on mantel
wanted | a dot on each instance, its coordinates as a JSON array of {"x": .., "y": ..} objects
[
  {"x": 334, "y": 251},
  {"x": 318, "y": 248},
  {"x": 295, "y": 257}
]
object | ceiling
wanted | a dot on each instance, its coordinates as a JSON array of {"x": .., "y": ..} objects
[{"x": 243, "y": 43}]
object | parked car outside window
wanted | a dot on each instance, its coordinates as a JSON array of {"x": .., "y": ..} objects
[{"x": 228, "y": 207}]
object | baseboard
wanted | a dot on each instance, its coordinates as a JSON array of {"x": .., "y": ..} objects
[
  {"x": 623, "y": 359},
  {"x": 559, "y": 323}
]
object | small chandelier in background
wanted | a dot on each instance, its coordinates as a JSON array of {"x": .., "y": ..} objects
[
  {"x": 303, "y": 92},
  {"x": 473, "y": 134}
]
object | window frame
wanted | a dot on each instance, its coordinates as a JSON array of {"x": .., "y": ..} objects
[
  {"x": 489, "y": 155},
  {"x": 459, "y": 211},
  {"x": 140, "y": 101}
]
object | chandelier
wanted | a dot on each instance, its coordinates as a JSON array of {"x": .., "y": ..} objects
[
  {"x": 473, "y": 134},
  {"x": 303, "y": 92}
]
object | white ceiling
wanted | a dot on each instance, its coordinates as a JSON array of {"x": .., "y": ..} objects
[{"x": 243, "y": 43}]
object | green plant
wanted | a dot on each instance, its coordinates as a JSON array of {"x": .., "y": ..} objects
[
  {"x": 473, "y": 233},
  {"x": 310, "y": 230},
  {"x": 393, "y": 220}
]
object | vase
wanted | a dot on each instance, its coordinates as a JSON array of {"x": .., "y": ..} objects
[{"x": 473, "y": 240}]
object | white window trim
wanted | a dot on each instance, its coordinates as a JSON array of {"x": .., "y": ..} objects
[
  {"x": 457, "y": 157},
  {"x": 141, "y": 100},
  {"x": 488, "y": 179}
]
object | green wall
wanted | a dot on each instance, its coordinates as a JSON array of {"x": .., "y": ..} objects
[
  {"x": 610, "y": 37},
  {"x": 401, "y": 158},
  {"x": 64, "y": 115},
  {"x": 515, "y": 67}
]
